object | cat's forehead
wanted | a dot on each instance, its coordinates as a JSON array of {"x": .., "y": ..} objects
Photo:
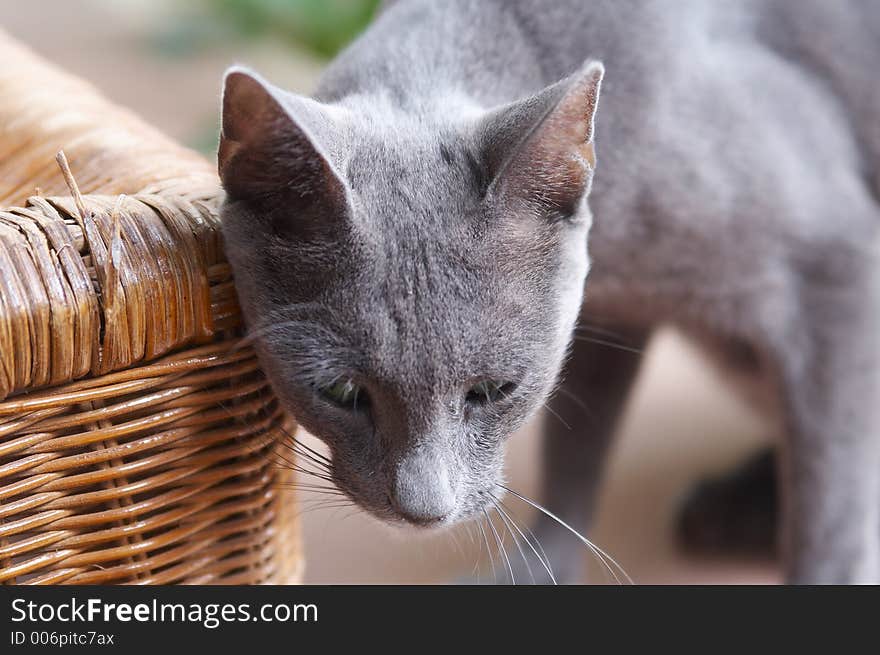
[
  {"x": 410, "y": 161},
  {"x": 419, "y": 196}
]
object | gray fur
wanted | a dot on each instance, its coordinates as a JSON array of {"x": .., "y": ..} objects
[{"x": 424, "y": 224}]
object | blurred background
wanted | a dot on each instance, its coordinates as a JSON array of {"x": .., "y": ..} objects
[{"x": 165, "y": 60}]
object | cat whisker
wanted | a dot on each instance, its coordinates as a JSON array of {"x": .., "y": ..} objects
[
  {"x": 610, "y": 344},
  {"x": 488, "y": 549},
  {"x": 590, "y": 327},
  {"x": 467, "y": 528},
  {"x": 556, "y": 415},
  {"x": 277, "y": 458},
  {"x": 324, "y": 507},
  {"x": 602, "y": 556},
  {"x": 548, "y": 408},
  {"x": 305, "y": 455},
  {"x": 307, "y": 487},
  {"x": 321, "y": 463},
  {"x": 522, "y": 553},
  {"x": 475, "y": 572},
  {"x": 299, "y": 469},
  {"x": 537, "y": 541},
  {"x": 283, "y": 462},
  {"x": 314, "y": 488},
  {"x": 542, "y": 556},
  {"x": 307, "y": 471},
  {"x": 320, "y": 498},
  {"x": 313, "y": 454},
  {"x": 530, "y": 538},
  {"x": 501, "y": 547},
  {"x": 353, "y": 512},
  {"x": 577, "y": 401},
  {"x": 304, "y": 462},
  {"x": 452, "y": 536}
]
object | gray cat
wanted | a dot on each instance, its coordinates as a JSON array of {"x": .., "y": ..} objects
[{"x": 411, "y": 245}]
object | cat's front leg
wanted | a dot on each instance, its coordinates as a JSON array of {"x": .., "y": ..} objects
[
  {"x": 577, "y": 428},
  {"x": 830, "y": 464}
]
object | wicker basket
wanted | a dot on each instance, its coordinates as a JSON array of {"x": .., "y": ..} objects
[{"x": 137, "y": 432}]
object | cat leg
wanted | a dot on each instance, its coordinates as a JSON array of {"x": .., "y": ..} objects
[
  {"x": 578, "y": 427},
  {"x": 830, "y": 459}
]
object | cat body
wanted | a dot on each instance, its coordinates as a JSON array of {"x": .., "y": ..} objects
[{"x": 426, "y": 223}]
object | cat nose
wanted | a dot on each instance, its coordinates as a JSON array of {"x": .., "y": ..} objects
[{"x": 422, "y": 491}]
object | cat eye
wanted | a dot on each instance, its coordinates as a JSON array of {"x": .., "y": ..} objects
[
  {"x": 489, "y": 391},
  {"x": 345, "y": 393}
]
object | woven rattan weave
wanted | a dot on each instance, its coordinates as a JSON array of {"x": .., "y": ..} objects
[{"x": 137, "y": 433}]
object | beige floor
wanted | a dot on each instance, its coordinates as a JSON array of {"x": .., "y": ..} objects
[{"x": 680, "y": 425}]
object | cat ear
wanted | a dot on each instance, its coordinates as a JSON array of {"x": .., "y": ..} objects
[
  {"x": 271, "y": 146},
  {"x": 541, "y": 150}
]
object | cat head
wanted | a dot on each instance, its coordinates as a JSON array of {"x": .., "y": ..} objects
[{"x": 410, "y": 279}]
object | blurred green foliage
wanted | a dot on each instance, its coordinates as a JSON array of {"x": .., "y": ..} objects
[{"x": 322, "y": 26}]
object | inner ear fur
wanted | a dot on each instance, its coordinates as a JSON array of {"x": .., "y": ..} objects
[{"x": 541, "y": 150}]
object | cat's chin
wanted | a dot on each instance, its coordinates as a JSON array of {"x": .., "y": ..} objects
[
  {"x": 404, "y": 526},
  {"x": 409, "y": 527},
  {"x": 401, "y": 522}
]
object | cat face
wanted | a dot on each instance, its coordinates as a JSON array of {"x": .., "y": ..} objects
[{"x": 411, "y": 285}]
